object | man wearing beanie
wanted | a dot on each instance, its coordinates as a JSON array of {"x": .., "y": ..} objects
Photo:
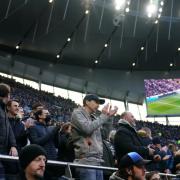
[{"x": 32, "y": 161}]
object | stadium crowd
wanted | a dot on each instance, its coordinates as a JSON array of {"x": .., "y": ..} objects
[
  {"x": 68, "y": 132},
  {"x": 156, "y": 87}
]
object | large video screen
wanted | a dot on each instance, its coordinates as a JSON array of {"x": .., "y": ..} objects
[{"x": 162, "y": 97}]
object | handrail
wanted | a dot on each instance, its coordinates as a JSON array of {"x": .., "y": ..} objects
[{"x": 68, "y": 164}]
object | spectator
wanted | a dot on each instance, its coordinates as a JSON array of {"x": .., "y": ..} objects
[
  {"x": 16, "y": 124},
  {"x": 64, "y": 153},
  {"x": 32, "y": 160},
  {"x": 131, "y": 167},
  {"x": 7, "y": 139},
  {"x": 44, "y": 135},
  {"x": 87, "y": 137},
  {"x": 127, "y": 140}
]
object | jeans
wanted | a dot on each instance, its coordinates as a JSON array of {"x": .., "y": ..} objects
[{"x": 90, "y": 174}]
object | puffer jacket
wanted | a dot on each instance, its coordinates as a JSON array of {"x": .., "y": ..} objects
[
  {"x": 86, "y": 136},
  {"x": 7, "y": 139}
]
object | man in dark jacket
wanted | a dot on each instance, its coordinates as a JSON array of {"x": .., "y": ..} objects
[
  {"x": 7, "y": 139},
  {"x": 44, "y": 135},
  {"x": 127, "y": 140},
  {"x": 17, "y": 126}
]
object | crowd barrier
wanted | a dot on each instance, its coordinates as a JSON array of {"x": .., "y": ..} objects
[{"x": 68, "y": 165}]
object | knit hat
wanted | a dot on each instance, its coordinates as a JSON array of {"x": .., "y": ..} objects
[{"x": 29, "y": 153}]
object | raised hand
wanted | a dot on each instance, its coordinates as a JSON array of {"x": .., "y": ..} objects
[
  {"x": 113, "y": 111},
  {"x": 107, "y": 109}
]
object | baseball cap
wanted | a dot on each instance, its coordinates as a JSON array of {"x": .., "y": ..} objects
[
  {"x": 132, "y": 159},
  {"x": 90, "y": 97}
]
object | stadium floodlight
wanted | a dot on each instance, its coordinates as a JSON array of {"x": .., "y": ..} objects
[
  {"x": 155, "y": 8},
  {"x": 106, "y": 45},
  {"x": 151, "y": 9},
  {"x": 122, "y": 5},
  {"x": 119, "y": 4},
  {"x": 178, "y": 48},
  {"x": 50, "y": 1},
  {"x": 142, "y": 48},
  {"x": 133, "y": 64}
]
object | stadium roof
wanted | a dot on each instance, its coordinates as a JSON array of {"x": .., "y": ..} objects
[{"x": 41, "y": 29}]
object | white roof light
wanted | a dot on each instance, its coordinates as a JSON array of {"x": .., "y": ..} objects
[
  {"x": 106, "y": 45},
  {"x": 68, "y": 39},
  {"x": 96, "y": 61},
  {"x": 133, "y": 64},
  {"x": 160, "y": 9},
  {"x": 178, "y": 48},
  {"x": 57, "y": 56},
  {"x": 87, "y": 12},
  {"x": 50, "y": 1},
  {"x": 142, "y": 48},
  {"x": 171, "y": 64},
  {"x": 127, "y": 9},
  {"x": 156, "y": 21},
  {"x": 17, "y": 47},
  {"x": 162, "y": 3}
]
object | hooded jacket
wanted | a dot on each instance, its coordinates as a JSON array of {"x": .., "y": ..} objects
[{"x": 86, "y": 136}]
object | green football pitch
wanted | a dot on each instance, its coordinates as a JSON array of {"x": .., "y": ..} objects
[{"x": 169, "y": 105}]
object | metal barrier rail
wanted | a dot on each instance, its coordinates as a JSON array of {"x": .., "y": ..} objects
[{"x": 68, "y": 164}]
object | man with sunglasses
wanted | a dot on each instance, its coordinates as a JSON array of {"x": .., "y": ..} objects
[{"x": 131, "y": 167}]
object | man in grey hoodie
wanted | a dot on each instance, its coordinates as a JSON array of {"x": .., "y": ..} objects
[{"x": 86, "y": 135}]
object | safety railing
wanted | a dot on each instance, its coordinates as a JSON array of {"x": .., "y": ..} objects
[{"x": 69, "y": 165}]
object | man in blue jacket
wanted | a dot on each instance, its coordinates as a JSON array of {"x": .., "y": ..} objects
[{"x": 44, "y": 135}]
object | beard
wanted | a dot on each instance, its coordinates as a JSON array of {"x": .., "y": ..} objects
[{"x": 38, "y": 176}]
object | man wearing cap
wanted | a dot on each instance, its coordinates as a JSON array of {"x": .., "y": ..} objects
[
  {"x": 32, "y": 160},
  {"x": 86, "y": 135},
  {"x": 131, "y": 167}
]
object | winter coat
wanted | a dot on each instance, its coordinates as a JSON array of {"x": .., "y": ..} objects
[
  {"x": 44, "y": 136},
  {"x": 7, "y": 139},
  {"x": 127, "y": 140}
]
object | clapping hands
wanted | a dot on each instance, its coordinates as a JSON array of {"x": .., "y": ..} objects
[{"x": 107, "y": 109}]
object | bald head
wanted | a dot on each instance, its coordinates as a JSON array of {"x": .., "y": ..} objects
[{"x": 129, "y": 117}]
